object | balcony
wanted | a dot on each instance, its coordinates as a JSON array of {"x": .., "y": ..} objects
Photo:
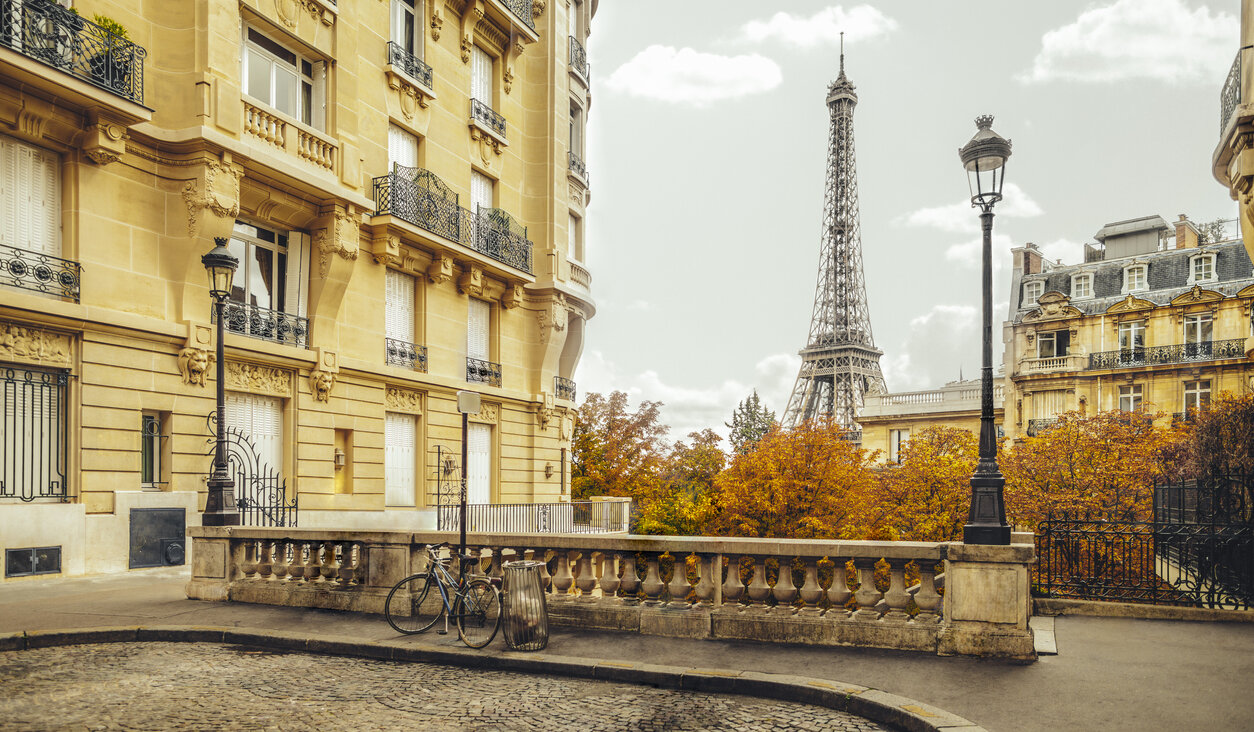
[
  {"x": 575, "y": 165},
  {"x": 580, "y": 276},
  {"x": 579, "y": 60},
  {"x": 290, "y": 136},
  {"x": 1037, "y": 426},
  {"x": 487, "y": 118},
  {"x": 564, "y": 388},
  {"x": 483, "y": 372},
  {"x": 56, "y": 37},
  {"x": 1159, "y": 355},
  {"x": 39, "y": 272},
  {"x": 268, "y": 325},
  {"x": 500, "y": 236},
  {"x": 521, "y": 10},
  {"x": 406, "y": 355},
  {"x": 1054, "y": 363},
  {"x": 1230, "y": 95},
  {"x": 412, "y": 66}
]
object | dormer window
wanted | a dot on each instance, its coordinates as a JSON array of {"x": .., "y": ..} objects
[
  {"x": 1201, "y": 268},
  {"x": 1135, "y": 278},
  {"x": 1031, "y": 292},
  {"x": 1082, "y": 286}
]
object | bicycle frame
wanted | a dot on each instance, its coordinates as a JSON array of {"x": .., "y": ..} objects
[{"x": 443, "y": 579}]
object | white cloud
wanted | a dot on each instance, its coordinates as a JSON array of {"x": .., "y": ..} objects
[
  {"x": 686, "y": 76},
  {"x": 1070, "y": 252},
  {"x": 961, "y": 218},
  {"x": 1138, "y": 39},
  {"x": 938, "y": 345},
  {"x": 824, "y": 27},
  {"x": 968, "y": 253}
]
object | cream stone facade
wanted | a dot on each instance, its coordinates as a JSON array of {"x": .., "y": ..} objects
[
  {"x": 888, "y": 420},
  {"x": 404, "y": 182},
  {"x": 1233, "y": 160}
]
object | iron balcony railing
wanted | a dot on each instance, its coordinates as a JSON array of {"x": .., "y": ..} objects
[
  {"x": 484, "y": 114},
  {"x": 576, "y": 165},
  {"x": 52, "y": 35},
  {"x": 483, "y": 372},
  {"x": 1230, "y": 95},
  {"x": 267, "y": 324},
  {"x": 1178, "y": 353},
  {"x": 522, "y": 9},
  {"x": 406, "y": 355},
  {"x": 1037, "y": 426},
  {"x": 500, "y": 236},
  {"x": 414, "y": 67},
  {"x": 564, "y": 388},
  {"x": 579, "y": 59},
  {"x": 40, "y": 272}
]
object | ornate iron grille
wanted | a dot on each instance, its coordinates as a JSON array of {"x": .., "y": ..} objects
[
  {"x": 260, "y": 491},
  {"x": 446, "y": 474},
  {"x": 500, "y": 236},
  {"x": 522, "y": 9},
  {"x": 33, "y": 431},
  {"x": 52, "y": 35},
  {"x": 267, "y": 324},
  {"x": 1178, "y": 353},
  {"x": 579, "y": 59},
  {"x": 483, "y": 372},
  {"x": 414, "y": 67},
  {"x": 406, "y": 355},
  {"x": 1230, "y": 95},
  {"x": 575, "y": 163},
  {"x": 39, "y": 272},
  {"x": 483, "y": 113},
  {"x": 564, "y": 388},
  {"x": 1037, "y": 426}
]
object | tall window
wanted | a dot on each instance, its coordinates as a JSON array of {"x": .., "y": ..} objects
[
  {"x": 283, "y": 79},
  {"x": 1082, "y": 286},
  {"x": 1032, "y": 291},
  {"x": 1052, "y": 344},
  {"x": 1048, "y": 404},
  {"x": 32, "y": 433},
  {"x": 400, "y": 459},
  {"x": 151, "y": 447},
  {"x": 270, "y": 274},
  {"x": 1198, "y": 328},
  {"x": 30, "y": 197},
  {"x": 260, "y": 419},
  {"x": 896, "y": 440},
  {"x": 1135, "y": 278},
  {"x": 1130, "y": 398},
  {"x": 478, "y": 320},
  {"x": 1132, "y": 335},
  {"x": 576, "y": 20},
  {"x": 402, "y": 148},
  {"x": 479, "y": 463},
  {"x": 576, "y": 130},
  {"x": 481, "y": 76},
  {"x": 400, "y": 306},
  {"x": 1202, "y": 268},
  {"x": 1196, "y": 395},
  {"x": 405, "y": 14},
  {"x": 574, "y": 245}
]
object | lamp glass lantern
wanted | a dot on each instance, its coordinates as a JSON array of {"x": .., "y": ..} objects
[
  {"x": 221, "y": 266},
  {"x": 984, "y": 158}
]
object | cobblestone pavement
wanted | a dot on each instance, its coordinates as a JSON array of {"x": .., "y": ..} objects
[{"x": 201, "y": 686}]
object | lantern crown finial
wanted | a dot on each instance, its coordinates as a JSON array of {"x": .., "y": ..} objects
[{"x": 984, "y": 121}]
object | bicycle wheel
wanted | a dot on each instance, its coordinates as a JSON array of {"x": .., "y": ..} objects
[
  {"x": 414, "y": 604},
  {"x": 478, "y": 613}
]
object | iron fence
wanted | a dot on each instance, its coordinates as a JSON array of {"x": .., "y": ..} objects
[
  {"x": 40, "y": 272},
  {"x": 260, "y": 490},
  {"x": 64, "y": 40},
  {"x": 579, "y": 59},
  {"x": 33, "y": 434},
  {"x": 1230, "y": 95},
  {"x": 482, "y": 112},
  {"x": 414, "y": 67},
  {"x": 406, "y": 355},
  {"x": 266, "y": 324},
  {"x": 564, "y": 388},
  {"x": 522, "y": 9},
  {"x": 1178, "y": 353},
  {"x": 576, "y": 517},
  {"x": 483, "y": 372},
  {"x": 576, "y": 165}
]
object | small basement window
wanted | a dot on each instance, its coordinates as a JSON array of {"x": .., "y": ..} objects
[{"x": 31, "y": 561}]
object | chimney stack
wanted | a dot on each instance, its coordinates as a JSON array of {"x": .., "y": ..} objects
[
  {"x": 1186, "y": 233},
  {"x": 1031, "y": 259}
]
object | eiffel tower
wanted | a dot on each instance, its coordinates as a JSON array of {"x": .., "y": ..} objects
[{"x": 840, "y": 363}]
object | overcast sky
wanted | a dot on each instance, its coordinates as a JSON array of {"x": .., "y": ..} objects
[{"x": 707, "y": 153}]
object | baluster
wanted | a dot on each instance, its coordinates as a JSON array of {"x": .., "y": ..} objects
[
  {"x": 494, "y": 566},
  {"x": 248, "y": 558},
  {"x": 630, "y": 583},
  {"x": 838, "y": 594},
  {"x": 785, "y": 589},
  {"x": 679, "y": 586},
  {"x": 733, "y": 588},
  {"x": 313, "y": 564},
  {"x": 281, "y": 548},
  {"x": 296, "y": 569},
  {"x": 546, "y": 579},
  {"x": 330, "y": 568},
  {"x": 609, "y": 575},
  {"x": 562, "y": 579},
  {"x": 265, "y": 563},
  {"x": 811, "y": 593},
  {"x": 652, "y": 585},
  {"x": 927, "y": 598},
  {"x": 758, "y": 589},
  {"x": 586, "y": 582},
  {"x": 897, "y": 597},
  {"x": 347, "y": 564},
  {"x": 867, "y": 595},
  {"x": 705, "y": 587}
]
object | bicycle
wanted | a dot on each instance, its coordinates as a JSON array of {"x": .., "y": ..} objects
[{"x": 475, "y": 602}]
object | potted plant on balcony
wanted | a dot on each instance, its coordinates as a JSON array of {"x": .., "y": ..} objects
[{"x": 110, "y": 60}]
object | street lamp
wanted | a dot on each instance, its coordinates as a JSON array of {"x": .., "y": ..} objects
[
  {"x": 220, "y": 508},
  {"x": 468, "y": 403},
  {"x": 984, "y": 158}
]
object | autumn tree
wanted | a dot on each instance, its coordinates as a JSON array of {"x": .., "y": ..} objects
[
  {"x": 927, "y": 496},
  {"x": 1221, "y": 442},
  {"x": 750, "y": 422},
  {"x": 682, "y": 502},
  {"x": 614, "y": 451}
]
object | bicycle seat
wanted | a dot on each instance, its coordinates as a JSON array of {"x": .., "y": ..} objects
[{"x": 469, "y": 560}]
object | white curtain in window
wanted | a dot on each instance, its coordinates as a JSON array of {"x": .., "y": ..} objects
[
  {"x": 1046, "y": 404},
  {"x": 297, "y": 273},
  {"x": 403, "y": 25},
  {"x": 481, "y": 76},
  {"x": 400, "y": 436},
  {"x": 400, "y": 306},
  {"x": 479, "y": 464},
  {"x": 477, "y": 329},
  {"x": 30, "y": 197},
  {"x": 260, "y": 418},
  {"x": 480, "y": 191},
  {"x": 572, "y": 242},
  {"x": 402, "y": 148}
]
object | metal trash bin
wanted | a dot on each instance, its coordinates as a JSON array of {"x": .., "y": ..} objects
[{"x": 526, "y": 620}]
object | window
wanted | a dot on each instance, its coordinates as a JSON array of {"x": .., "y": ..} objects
[
  {"x": 152, "y": 440},
  {"x": 1053, "y": 344},
  {"x": 896, "y": 440},
  {"x": 477, "y": 323},
  {"x": 481, "y": 76},
  {"x": 574, "y": 245},
  {"x": 1048, "y": 404},
  {"x": 1134, "y": 278},
  {"x": 30, "y": 197},
  {"x": 400, "y": 306},
  {"x": 259, "y": 419},
  {"x": 1130, "y": 398},
  {"x": 400, "y": 459},
  {"x": 1081, "y": 286},
  {"x": 482, "y": 190},
  {"x": 32, "y": 433},
  {"x": 479, "y": 463},
  {"x": 1198, "y": 328},
  {"x": 402, "y": 148},
  {"x": 576, "y": 20},
  {"x": 284, "y": 80},
  {"x": 1202, "y": 268},
  {"x": 272, "y": 273},
  {"x": 1196, "y": 395},
  {"x": 1132, "y": 335},
  {"x": 404, "y": 25},
  {"x": 576, "y": 130},
  {"x": 1032, "y": 291}
]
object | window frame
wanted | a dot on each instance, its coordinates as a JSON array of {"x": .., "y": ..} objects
[
  {"x": 1134, "y": 394},
  {"x": 153, "y": 440},
  {"x": 313, "y": 114},
  {"x": 1059, "y": 340},
  {"x": 1199, "y": 323},
  {"x": 22, "y": 198},
  {"x": 897, "y": 439},
  {"x": 1207, "y": 258},
  {"x": 1143, "y": 271},
  {"x": 390, "y": 467},
  {"x": 281, "y": 253},
  {"x": 393, "y": 300},
  {"x": 1029, "y": 300},
  {"x": 1133, "y": 328},
  {"x": 409, "y": 39},
  {"x": 1199, "y": 392},
  {"x": 1085, "y": 278}
]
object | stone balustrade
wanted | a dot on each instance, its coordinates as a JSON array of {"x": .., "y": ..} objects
[
  {"x": 289, "y": 136},
  {"x": 777, "y": 590}
]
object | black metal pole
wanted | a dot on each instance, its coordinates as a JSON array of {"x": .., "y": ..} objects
[
  {"x": 461, "y": 548},
  {"x": 986, "y": 522},
  {"x": 220, "y": 508}
]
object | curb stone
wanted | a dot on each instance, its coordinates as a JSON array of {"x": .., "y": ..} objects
[{"x": 872, "y": 704}]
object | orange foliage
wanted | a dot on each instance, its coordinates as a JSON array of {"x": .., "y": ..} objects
[{"x": 928, "y": 496}]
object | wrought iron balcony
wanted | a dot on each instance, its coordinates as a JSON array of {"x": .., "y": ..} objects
[
  {"x": 269, "y": 325},
  {"x": 575, "y": 163},
  {"x": 521, "y": 8},
  {"x": 39, "y": 272},
  {"x": 485, "y": 115},
  {"x": 564, "y": 388},
  {"x": 414, "y": 67},
  {"x": 500, "y": 236},
  {"x": 406, "y": 355},
  {"x": 579, "y": 59},
  {"x": 1179, "y": 353},
  {"x": 52, "y": 35},
  {"x": 483, "y": 372},
  {"x": 1037, "y": 426},
  {"x": 1230, "y": 95}
]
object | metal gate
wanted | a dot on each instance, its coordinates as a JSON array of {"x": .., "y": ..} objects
[
  {"x": 33, "y": 433},
  {"x": 446, "y": 497},
  {"x": 260, "y": 490}
]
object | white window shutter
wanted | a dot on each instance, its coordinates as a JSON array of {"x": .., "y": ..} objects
[
  {"x": 297, "y": 273},
  {"x": 400, "y": 459},
  {"x": 30, "y": 196},
  {"x": 479, "y": 463},
  {"x": 10, "y": 206},
  {"x": 400, "y": 306},
  {"x": 260, "y": 418},
  {"x": 480, "y": 191},
  {"x": 477, "y": 329},
  {"x": 572, "y": 239},
  {"x": 45, "y": 202},
  {"x": 402, "y": 148},
  {"x": 481, "y": 76}
]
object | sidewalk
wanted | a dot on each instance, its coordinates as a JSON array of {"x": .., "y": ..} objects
[{"x": 1109, "y": 674}]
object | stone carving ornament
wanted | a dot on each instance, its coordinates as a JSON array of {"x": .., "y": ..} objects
[
  {"x": 220, "y": 195},
  {"x": 489, "y": 413},
  {"x": 193, "y": 365},
  {"x": 341, "y": 236},
  {"x": 403, "y": 400},
  {"x": 320, "y": 384},
  {"x": 258, "y": 379},
  {"x": 33, "y": 345}
]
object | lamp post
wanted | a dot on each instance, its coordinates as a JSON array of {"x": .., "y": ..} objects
[
  {"x": 467, "y": 403},
  {"x": 220, "y": 508},
  {"x": 984, "y": 158}
]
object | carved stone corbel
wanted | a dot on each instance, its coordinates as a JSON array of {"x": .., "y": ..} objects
[
  {"x": 340, "y": 235},
  {"x": 195, "y": 357},
  {"x": 513, "y": 297},
  {"x": 471, "y": 281},
  {"x": 215, "y": 193},
  {"x": 515, "y": 50},
  {"x": 386, "y": 248},
  {"x": 105, "y": 140},
  {"x": 440, "y": 270},
  {"x": 470, "y": 16},
  {"x": 553, "y": 317},
  {"x": 437, "y": 20},
  {"x": 322, "y": 378}
]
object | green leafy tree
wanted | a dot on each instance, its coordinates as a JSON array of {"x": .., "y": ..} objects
[
  {"x": 750, "y": 423},
  {"x": 683, "y": 501},
  {"x": 614, "y": 451}
]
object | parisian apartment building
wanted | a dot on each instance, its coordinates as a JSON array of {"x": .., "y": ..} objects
[{"x": 403, "y": 184}]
